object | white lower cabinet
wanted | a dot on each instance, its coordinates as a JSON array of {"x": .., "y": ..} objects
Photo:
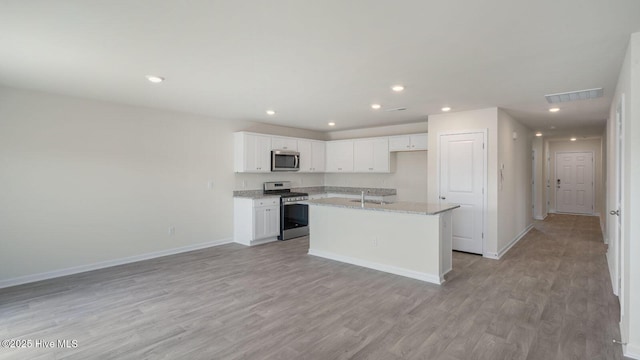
[{"x": 256, "y": 221}]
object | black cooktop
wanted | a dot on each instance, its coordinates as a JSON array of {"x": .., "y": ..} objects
[{"x": 293, "y": 194}]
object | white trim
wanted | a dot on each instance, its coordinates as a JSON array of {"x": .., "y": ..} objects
[
  {"x": 263, "y": 241},
  {"x": 631, "y": 351},
  {"x": 509, "y": 245},
  {"x": 431, "y": 278},
  {"x": 541, "y": 218},
  {"x": 108, "y": 263},
  {"x": 485, "y": 179}
]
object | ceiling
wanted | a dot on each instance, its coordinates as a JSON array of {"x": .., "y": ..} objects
[{"x": 319, "y": 61}]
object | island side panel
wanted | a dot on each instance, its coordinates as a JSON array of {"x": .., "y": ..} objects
[
  {"x": 446, "y": 242},
  {"x": 399, "y": 243}
]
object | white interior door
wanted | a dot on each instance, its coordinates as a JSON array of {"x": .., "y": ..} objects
[
  {"x": 462, "y": 178},
  {"x": 616, "y": 242},
  {"x": 574, "y": 182}
]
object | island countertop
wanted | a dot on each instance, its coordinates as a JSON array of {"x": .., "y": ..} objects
[{"x": 398, "y": 207}]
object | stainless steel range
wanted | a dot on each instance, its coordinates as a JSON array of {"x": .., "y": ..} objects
[{"x": 294, "y": 215}]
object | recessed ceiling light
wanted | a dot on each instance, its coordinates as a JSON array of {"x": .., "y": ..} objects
[
  {"x": 554, "y": 109},
  {"x": 538, "y": 134},
  {"x": 155, "y": 79},
  {"x": 573, "y": 139},
  {"x": 375, "y": 106},
  {"x": 271, "y": 112},
  {"x": 332, "y": 124},
  {"x": 446, "y": 108},
  {"x": 397, "y": 88}
]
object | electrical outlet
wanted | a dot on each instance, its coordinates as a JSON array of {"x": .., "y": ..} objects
[{"x": 172, "y": 230}]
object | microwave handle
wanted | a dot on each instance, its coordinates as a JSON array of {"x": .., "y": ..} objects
[{"x": 296, "y": 160}]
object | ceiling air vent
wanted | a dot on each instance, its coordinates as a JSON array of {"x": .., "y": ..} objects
[
  {"x": 396, "y": 109},
  {"x": 574, "y": 95}
]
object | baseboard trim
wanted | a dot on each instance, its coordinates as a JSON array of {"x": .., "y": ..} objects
[
  {"x": 108, "y": 263},
  {"x": 431, "y": 278},
  {"x": 631, "y": 351},
  {"x": 541, "y": 218},
  {"x": 504, "y": 250}
]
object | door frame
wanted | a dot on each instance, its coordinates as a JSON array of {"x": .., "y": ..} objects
[
  {"x": 618, "y": 286},
  {"x": 534, "y": 161},
  {"x": 485, "y": 175},
  {"x": 593, "y": 179}
]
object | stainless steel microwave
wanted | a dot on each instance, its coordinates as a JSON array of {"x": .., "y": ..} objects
[{"x": 285, "y": 160}]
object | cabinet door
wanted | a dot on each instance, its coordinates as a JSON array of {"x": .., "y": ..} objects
[
  {"x": 381, "y": 155},
  {"x": 419, "y": 142},
  {"x": 278, "y": 143},
  {"x": 259, "y": 223},
  {"x": 272, "y": 220},
  {"x": 306, "y": 155},
  {"x": 339, "y": 156},
  {"x": 266, "y": 222},
  {"x": 363, "y": 156},
  {"x": 400, "y": 143},
  {"x": 257, "y": 153},
  {"x": 318, "y": 156},
  {"x": 371, "y": 155}
]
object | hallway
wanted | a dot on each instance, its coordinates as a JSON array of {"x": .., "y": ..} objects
[{"x": 557, "y": 279}]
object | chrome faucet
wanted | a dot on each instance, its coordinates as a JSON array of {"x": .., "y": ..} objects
[{"x": 362, "y": 199}]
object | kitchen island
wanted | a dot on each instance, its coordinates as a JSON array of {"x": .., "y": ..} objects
[{"x": 403, "y": 238}]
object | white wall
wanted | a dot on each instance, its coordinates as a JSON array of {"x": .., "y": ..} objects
[
  {"x": 514, "y": 186},
  {"x": 509, "y": 204},
  {"x": 587, "y": 145},
  {"x": 629, "y": 87},
  {"x": 631, "y": 210},
  {"x": 86, "y": 182},
  {"x": 462, "y": 121}
]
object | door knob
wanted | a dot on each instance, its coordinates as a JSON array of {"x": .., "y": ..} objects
[
  {"x": 443, "y": 198},
  {"x": 615, "y": 212}
]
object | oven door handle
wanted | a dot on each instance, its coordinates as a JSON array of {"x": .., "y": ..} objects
[{"x": 296, "y": 161}]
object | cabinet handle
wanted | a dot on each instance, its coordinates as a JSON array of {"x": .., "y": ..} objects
[{"x": 413, "y": 146}]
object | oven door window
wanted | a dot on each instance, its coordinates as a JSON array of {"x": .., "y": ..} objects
[{"x": 295, "y": 215}]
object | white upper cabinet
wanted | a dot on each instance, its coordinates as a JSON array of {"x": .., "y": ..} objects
[
  {"x": 371, "y": 155},
  {"x": 312, "y": 155},
  {"x": 412, "y": 142},
  {"x": 252, "y": 152},
  {"x": 339, "y": 156},
  {"x": 282, "y": 143}
]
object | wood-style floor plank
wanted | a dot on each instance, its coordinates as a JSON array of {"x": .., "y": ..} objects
[{"x": 548, "y": 298}]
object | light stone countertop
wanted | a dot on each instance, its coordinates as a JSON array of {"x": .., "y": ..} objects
[{"x": 399, "y": 207}]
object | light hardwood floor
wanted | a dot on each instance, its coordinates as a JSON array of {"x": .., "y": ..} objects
[{"x": 548, "y": 298}]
